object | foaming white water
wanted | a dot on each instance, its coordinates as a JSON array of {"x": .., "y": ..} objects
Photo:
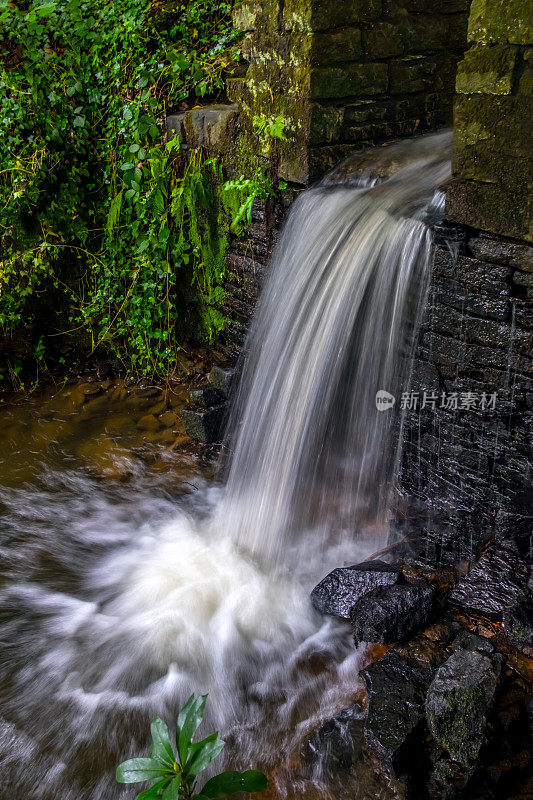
[
  {"x": 117, "y": 603},
  {"x": 127, "y": 620}
]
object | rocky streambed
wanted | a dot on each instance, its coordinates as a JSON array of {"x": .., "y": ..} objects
[{"x": 448, "y": 710}]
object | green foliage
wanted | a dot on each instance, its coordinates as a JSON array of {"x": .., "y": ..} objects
[
  {"x": 104, "y": 228},
  {"x": 174, "y": 773}
]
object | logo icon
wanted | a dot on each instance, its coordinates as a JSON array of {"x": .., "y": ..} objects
[{"x": 384, "y": 400}]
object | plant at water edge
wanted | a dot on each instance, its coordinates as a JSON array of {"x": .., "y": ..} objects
[{"x": 174, "y": 774}]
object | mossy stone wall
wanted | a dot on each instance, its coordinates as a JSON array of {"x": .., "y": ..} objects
[
  {"x": 343, "y": 75},
  {"x": 493, "y": 121}
]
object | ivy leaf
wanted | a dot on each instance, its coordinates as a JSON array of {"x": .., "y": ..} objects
[
  {"x": 126, "y": 166},
  {"x": 134, "y": 148},
  {"x": 79, "y": 122}
]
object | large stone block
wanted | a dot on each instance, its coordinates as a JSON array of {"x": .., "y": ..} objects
[
  {"x": 349, "y": 81},
  {"x": 331, "y": 47},
  {"x": 494, "y": 21},
  {"x": 413, "y": 74},
  {"x": 487, "y": 70},
  {"x": 210, "y": 126},
  {"x": 501, "y": 123},
  {"x": 320, "y": 15},
  {"x": 326, "y": 123},
  {"x": 487, "y": 207},
  {"x": 247, "y": 14},
  {"x": 382, "y": 40}
]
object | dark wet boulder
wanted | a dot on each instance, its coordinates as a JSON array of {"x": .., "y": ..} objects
[
  {"x": 495, "y": 584},
  {"x": 207, "y": 397},
  {"x": 391, "y": 614},
  {"x": 204, "y": 425},
  {"x": 458, "y": 701},
  {"x": 397, "y": 690},
  {"x": 337, "y": 745},
  {"x": 342, "y": 588},
  {"x": 222, "y": 379}
]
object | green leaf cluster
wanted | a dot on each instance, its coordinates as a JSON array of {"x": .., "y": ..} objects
[
  {"x": 106, "y": 230},
  {"x": 174, "y": 771}
]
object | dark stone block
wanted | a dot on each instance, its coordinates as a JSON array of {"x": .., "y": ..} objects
[
  {"x": 396, "y": 692},
  {"x": 204, "y": 426},
  {"x": 336, "y": 46},
  {"x": 206, "y": 397},
  {"x": 495, "y": 584},
  {"x": 458, "y": 701},
  {"x": 337, "y": 745},
  {"x": 413, "y": 74},
  {"x": 392, "y": 613},
  {"x": 349, "y": 81},
  {"x": 222, "y": 379},
  {"x": 342, "y": 588}
]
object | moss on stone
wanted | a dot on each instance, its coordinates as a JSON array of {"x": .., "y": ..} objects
[
  {"x": 487, "y": 70},
  {"x": 493, "y": 21},
  {"x": 349, "y": 81},
  {"x": 326, "y": 123},
  {"x": 321, "y": 15},
  {"x": 336, "y": 46}
]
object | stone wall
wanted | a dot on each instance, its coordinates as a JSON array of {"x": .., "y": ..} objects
[
  {"x": 477, "y": 335},
  {"x": 338, "y": 76},
  {"x": 470, "y": 449},
  {"x": 492, "y": 123}
]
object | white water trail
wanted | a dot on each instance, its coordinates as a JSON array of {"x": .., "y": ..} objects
[
  {"x": 116, "y": 603},
  {"x": 334, "y": 326}
]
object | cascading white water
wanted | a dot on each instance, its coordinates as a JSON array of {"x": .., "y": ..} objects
[
  {"x": 117, "y": 602},
  {"x": 334, "y": 327}
]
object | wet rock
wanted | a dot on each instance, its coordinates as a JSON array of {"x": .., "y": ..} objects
[
  {"x": 392, "y": 613},
  {"x": 148, "y": 391},
  {"x": 222, "y": 379},
  {"x": 495, "y": 584},
  {"x": 204, "y": 426},
  {"x": 518, "y": 625},
  {"x": 206, "y": 397},
  {"x": 90, "y": 389},
  {"x": 458, "y": 701},
  {"x": 337, "y": 745},
  {"x": 168, "y": 418},
  {"x": 397, "y": 690},
  {"x": 338, "y": 592},
  {"x": 149, "y": 423}
]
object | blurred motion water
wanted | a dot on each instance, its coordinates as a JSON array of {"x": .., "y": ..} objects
[{"x": 118, "y": 599}]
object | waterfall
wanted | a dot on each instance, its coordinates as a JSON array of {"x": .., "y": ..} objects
[
  {"x": 334, "y": 326},
  {"x": 119, "y": 599}
]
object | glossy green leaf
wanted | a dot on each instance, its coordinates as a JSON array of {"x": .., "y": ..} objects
[
  {"x": 202, "y": 756},
  {"x": 173, "y": 789},
  {"x": 231, "y": 782},
  {"x": 161, "y": 741},
  {"x": 153, "y": 793},
  {"x": 140, "y": 769}
]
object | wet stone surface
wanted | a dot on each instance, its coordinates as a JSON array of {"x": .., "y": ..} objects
[
  {"x": 392, "y": 613},
  {"x": 495, "y": 584},
  {"x": 397, "y": 688},
  {"x": 338, "y": 592},
  {"x": 337, "y": 745},
  {"x": 458, "y": 701}
]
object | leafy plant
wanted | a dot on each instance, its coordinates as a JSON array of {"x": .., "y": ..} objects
[
  {"x": 107, "y": 230},
  {"x": 174, "y": 771}
]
